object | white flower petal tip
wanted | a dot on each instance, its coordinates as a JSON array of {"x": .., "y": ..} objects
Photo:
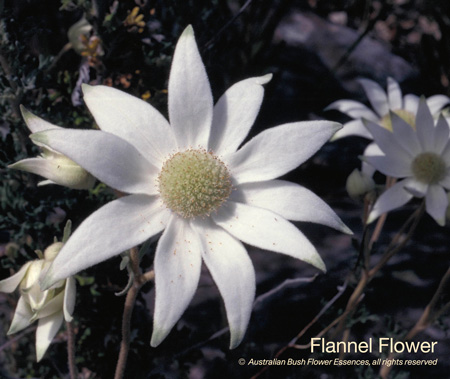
[
  {"x": 35, "y": 123},
  {"x": 263, "y": 79},
  {"x": 236, "y": 338},
  {"x": 9, "y": 285},
  {"x": 158, "y": 336},
  {"x": 372, "y": 217},
  {"x": 188, "y": 32},
  {"x": 345, "y": 229}
]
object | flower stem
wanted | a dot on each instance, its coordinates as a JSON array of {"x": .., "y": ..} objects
[
  {"x": 138, "y": 281},
  {"x": 71, "y": 351},
  {"x": 397, "y": 243}
]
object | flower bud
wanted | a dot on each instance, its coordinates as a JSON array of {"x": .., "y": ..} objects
[
  {"x": 57, "y": 168},
  {"x": 358, "y": 184},
  {"x": 75, "y": 33},
  {"x": 51, "y": 306}
]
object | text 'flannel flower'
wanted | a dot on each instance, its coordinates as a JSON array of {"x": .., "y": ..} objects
[
  {"x": 49, "y": 307},
  {"x": 188, "y": 180},
  {"x": 419, "y": 156},
  {"x": 383, "y": 103},
  {"x": 54, "y": 166}
]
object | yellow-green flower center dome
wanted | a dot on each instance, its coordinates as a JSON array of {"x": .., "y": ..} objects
[
  {"x": 429, "y": 168},
  {"x": 410, "y": 118},
  {"x": 194, "y": 183}
]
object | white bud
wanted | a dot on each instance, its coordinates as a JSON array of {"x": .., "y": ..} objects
[{"x": 358, "y": 184}]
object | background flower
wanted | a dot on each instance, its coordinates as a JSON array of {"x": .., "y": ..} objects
[
  {"x": 420, "y": 157},
  {"x": 383, "y": 104}
]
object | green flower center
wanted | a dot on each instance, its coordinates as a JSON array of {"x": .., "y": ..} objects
[
  {"x": 429, "y": 168},
  {"x": 410, "y": 118},
  {"x": 194, "y": 183}
]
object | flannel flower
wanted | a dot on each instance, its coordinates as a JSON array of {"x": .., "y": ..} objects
[
  {"x": 188, "y": 180},
  {"x": 49, "y": 307},
  {"x": 57, "y": 168},
  {"x": 383, "y": 103},
  {"x": 419, "y": 156}
]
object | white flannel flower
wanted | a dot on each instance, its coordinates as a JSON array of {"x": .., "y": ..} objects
[
  {"x": 383, "y": 103},
  {"x": 54, "y": 166},
  {"x": 419, "y": 156},
  {"x": 188, "y": 180},
  {"x": 49, "y": 307}
]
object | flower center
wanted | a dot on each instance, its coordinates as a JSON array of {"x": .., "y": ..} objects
[
  {"x": 409, "y": 117},
  {"x": 194, "y": 183},
  {"x": 429, "y": 168}
]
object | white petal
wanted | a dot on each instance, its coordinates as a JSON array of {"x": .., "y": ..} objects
[
  {"x": 289, "y": 200},
  {"x": 352, "y": 128},
  {"x": 376, "y": 95},
  {"x": 266, "y": 230},
  {"x": 394, "y": 94},
  {"x": 411, "y": 103},
  {"x": 396, "y": 168},
  {"x": 445, "y": 154},
  {"x": 416, "y": 187},
  {"x": 177, "y": 272},
  {"x": 233, "y": 273},
  {"x": 436, "y": 202},
  {"x": 9, "y": 285},
  {"x": 51, "y": 306},
  {"x": 131, "y": 119},
  {"x": 279, "y": 150},
  {"x": 405, "y": 135},
  {"x": 46, "y": 331},
  {"x": 446, "y": 181},
  {"x": 235, "y": 113},
  {"x": 388, "y": 142},
  {"x": 35, "y": 123},
  {"x": 392, "y": 198},
  {"x": 372, "y": 149},
  {"x": 114, "y": 228},
  {"x": 22, "y": 316},
  {"x": 441, "y": 135},
  {"x": 69, "y": 298},
  {"x": 437, "y": 102},
  {"x": 58, "y": 171},
  {"x": 190, "y": 98},
  {"x": 354, "y": 109},
  {"x": 106, "y": 156},
  {"x": 425, "y": 126}
]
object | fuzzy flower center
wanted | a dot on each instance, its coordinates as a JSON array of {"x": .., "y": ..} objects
[
  {"x": 194, "y": 183},
  {"x": 406, "y": 116},
  {"x": 429, "y": 168}
]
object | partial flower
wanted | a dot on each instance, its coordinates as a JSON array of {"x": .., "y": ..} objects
[
  {"x": 188, "y": 180},
  {"x": 420, "y": 157},
  {"x": 51, "y": 164},
  {"x": 384, "y": 103},
  {"x": 81, "y": 29},
  {"x": 49, "y": 307},
  {"x": 83, "y": 40}
]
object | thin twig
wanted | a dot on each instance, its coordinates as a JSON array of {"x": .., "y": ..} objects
[
  {"x": 71, "y": 351},
  {"x": 225, "y": 27},
  {"x": 139, "y": 280}
]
